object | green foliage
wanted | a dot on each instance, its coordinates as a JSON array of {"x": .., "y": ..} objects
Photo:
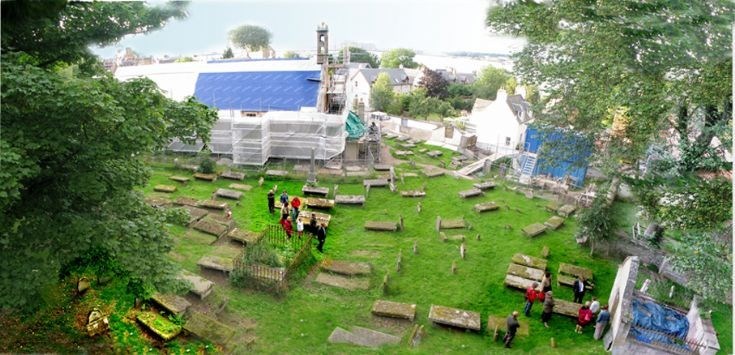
[
  {"x": 71, "y": 147},
  {"x": 398, "y": 57},
  {"x": 489, "y": 81},
  {"x": 228, "y": 53},
  {"x": 359, "y": 55},
  {"x": 184, "y": 59},
  {"x": 291, "y": 55},
  {"x": 250, "y": 37},
  {"x": 434, "y": 83},
  {"x": 459, "y": 90},
  {"x": 177, "y": 216},
  {"x": 708, "y": 263},
  {"x": 422, "y": 106},
  {"x": 261, "y": 253},
  {"x": 598, "y": 221},
  {"x": 206, "y": 163},
  {"x": 381, "y": 93},
  {"x": 510, "y": 85}
]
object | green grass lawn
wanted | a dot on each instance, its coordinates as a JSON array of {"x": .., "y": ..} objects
[
  {"x": 421, "y": 158},
  {"x": 301, "y": 321}
]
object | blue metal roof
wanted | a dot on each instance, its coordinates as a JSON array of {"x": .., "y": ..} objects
[{"x": 258, "y": 91}]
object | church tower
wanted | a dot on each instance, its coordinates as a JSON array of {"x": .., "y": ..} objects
[{"x": 322, "y": 44}]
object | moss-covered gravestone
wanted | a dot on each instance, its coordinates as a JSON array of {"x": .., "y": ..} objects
[{"x": 159, "y": 325}]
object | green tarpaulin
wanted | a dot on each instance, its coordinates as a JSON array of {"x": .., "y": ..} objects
[{"x": 354, "y": 126}]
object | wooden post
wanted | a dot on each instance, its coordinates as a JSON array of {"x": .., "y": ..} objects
[
  {"x": 462, "y": 250},
  {"x": 477, "y": 237},
  {"x": 367, "y": 190},
  {"x": 415, "y": 247},
  {"x": 384, "y": 286},
  {"x": 399, "y": 260},
  {"x": 418, "y": 207},
  {"x": 438, "y": 224},
  {"x": 335, "y": 189},
  {"x": 496, "y": 334},
  {"x": 454, "y": 267},
  {"x": 553, "y": 342},
  {"x": 400, "y": 222}
]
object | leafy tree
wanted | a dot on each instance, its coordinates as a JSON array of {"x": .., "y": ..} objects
[
  {"x": 459, "y": 90},
  {"x": 71, "y": 150},
  {"x": 434, "y": 83},
  {"x": 291, "y": 55},
  {"x": 250, "y": 38},
  {"x": 228, "y": 54},
  {"x": 359, "y": 55},
  {"x": 489, "y": 81},
  {"x": 398, "y": 57},
  {"x": 705, "y": 261},
  {"x": 597, "y": 223},
  {"x": 510, "y": 85},
  {"x": 184, "y": 59},
  {"x": 532, "y": 94},
  {"x": 381, "y": 94}
]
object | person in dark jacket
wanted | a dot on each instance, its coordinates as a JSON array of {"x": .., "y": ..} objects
[
  {"x": 548, "y": 308},
  {"x": 321, "y": 236},
  {"x": 271, "y": 201},
  {"x": 512, "y": 325},
  {"x": 312, "y": 224},
  {"x": 579, "y": 289},
  {"x": 602, "y": 319}
]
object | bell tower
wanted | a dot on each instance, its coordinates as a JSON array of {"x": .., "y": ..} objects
[{"x": 322, "y": 44}]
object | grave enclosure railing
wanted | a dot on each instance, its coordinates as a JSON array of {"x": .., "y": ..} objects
[{"x": 274, "y": 279}]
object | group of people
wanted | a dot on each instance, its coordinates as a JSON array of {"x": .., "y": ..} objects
[
  {"x": 587, "y": 313},
  {"x": 290, "y": 216}
]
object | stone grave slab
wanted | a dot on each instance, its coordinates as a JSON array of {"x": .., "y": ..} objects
[
  {"x": 315, "y": 202},
  {"x": 210, "y": 226},
  {"x": 205, "y": 177},
  {"x": 518, "y": 282},
  {"x": 457, "y": 238},
  {"x": 525, "y": 272},
  {"x": 566, "y": 308},
  {"x": 422, "y": 150},
  {"x": 566, "y": 210},
  {"x": 154, "y": 201},
  {"x": 532, "y": 261},
  {"x": 487, "y": 185},
  {"x": 206, "y": 327},
  {"x": 227, "y": 193},
  {"x": 574, "y": 270},
  {"x": 381, "y": 226},
  {"x": 452, "y": 223},
  {"x": 435, "y": 153},
  {"x": 390, "y": 135},
  {"x": 394, "y": 309},
  {"x": 241, "y": 187},
  {"x": 362, "y": 336},
  {"x": 431, "y": 173},
  {"x": 233, "y": 175},
  {"x": 177, "y": 305},
  {"x": 165, "y": 188},
  {"x": 357, "y": 173},
  {"x": 276, "y": 173},
  {"x": 190, "y": 167},
  {"x": 315, "y": 190},
  {"x": 566, "y": 280},
  {"x": 159, "y": 325},
  {"x": 413, "y": 193},
  {"x": 552, "y": 206},
  {"x": 408, "y": 146},
  {"x": 195, "y": 213},
  {"x": 485, "y": 207},
  {"x": 415, "y": 141},
  {"x": 320, "y": 217},
  {"x": 455, "y": 317},
  {"x": 500, "y": 323},
  {"x": 181, "y": 179},
  {"x": 349, "y": 199},
  {"x": 403, "y": 138},
  {"x": 403, "y": 153},
  {"x": 382, "y": 167},
  {"x": 347, "y": 268},
  {"x": 408, "y": 175},
  {"x": 554, "y": 222},
  {"x": 186, "y": 201},
  {"x": 342, "y": 281},
  {"x": 533, "y": 229},
  {"x": 199, "y": 285},
  {"x": 370, "y": 254},
  {"x": 217, "y": 263},
  {"x": 245, "y": 237},
  {"x": 470, "y": 193},
  {"x": 213, "y": 204},
  {"x": 375, "y": 182}
]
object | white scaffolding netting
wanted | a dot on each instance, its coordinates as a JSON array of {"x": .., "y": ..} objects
[{"x": 286, "y": 134}]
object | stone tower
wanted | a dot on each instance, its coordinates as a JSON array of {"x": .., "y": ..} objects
[{"x": 322, "y": 44}]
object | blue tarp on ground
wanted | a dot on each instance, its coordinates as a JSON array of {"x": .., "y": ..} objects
[
  {"x": 649, "y": 315},
  {"x": 259, "y": 91},
  {"x": 574, "y": 164}
]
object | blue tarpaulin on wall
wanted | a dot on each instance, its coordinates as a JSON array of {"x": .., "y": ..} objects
[
  {"x": 548, "y": 160},
  {"x": 653, "y": 322},
  {"x": 258, "y": 91}
]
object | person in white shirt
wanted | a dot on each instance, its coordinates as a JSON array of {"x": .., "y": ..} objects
[
  {"x": 300, "y": 228},
  {"x": 595, "y": 306}
]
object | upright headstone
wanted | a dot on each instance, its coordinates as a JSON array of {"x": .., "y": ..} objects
[
  {"x": 312, "y": 170},
  {"x": 646, "y": 284}
]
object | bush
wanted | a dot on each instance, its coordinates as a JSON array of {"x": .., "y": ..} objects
[{"x": 206, "y": 164}]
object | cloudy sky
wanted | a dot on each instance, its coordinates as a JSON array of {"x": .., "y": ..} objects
[{"x": 432, "y": 26}]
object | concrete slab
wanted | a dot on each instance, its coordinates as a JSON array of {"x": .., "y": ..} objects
[
  {"x": 348, "y": 268},
  {"x": 165, "y": 188},
  {"x": 241, "y": 187},
  {"x": 342, "y": 282},
  {"x": 394, "y": 309},
  {"x": 532, "y": 261},
  {"x": 227, "y": 193},
  {"x": 233, "y": 175},
  {"x": 455, "y": 317}
]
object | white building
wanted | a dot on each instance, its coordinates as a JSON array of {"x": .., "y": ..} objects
[
  {"x": 360, "y": 84},
  {"x": 500, "y": 124}
]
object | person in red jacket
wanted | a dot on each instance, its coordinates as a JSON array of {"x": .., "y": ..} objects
[
  {"x": 530, "y": 298},
  {"x": 286, "y": 223},
  {"x": 584, "y": 317},
  {"x": 296, "y": 204}
]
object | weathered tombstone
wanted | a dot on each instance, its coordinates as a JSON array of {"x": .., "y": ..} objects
[
  {"x": 496, "y": 334},
  {"x": 442, "y": 237},
  {"x": 384, "y": 285},
  {"x": 438, "y": 224},
  {"x": 545, "y": 252},
  {"x": 400, "y": 222},
  {"x": 260, "y": 181},
  {"x": 83, "y": 285},
  {"x": 97, "y": 323},
  {"x": 454, "y": 267},
  {"x": 418, "y": 207},
  {"x": 335, "y": 189},
  {"x": 399, "y": 260},
  {"x": 415, "y": 247},
  {"x": 671, "y": 291},
  {"x": 646, "y": 284},
  {"x": 462, "y": 250},
  {"x": 477, "y": 237},
  {"x": 416, "y": 335},
  {"x": 312, "y": 169},
  {"x": 553, "y": 342}
]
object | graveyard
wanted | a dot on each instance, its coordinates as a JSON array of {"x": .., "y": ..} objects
[{"x": 449, "y": 254}]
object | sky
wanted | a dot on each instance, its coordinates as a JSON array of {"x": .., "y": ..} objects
[{"x": 430, "y": 26}]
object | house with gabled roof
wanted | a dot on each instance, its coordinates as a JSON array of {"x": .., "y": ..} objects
[
  {"x": 360, "y": 84},
  {"x": 500, "y": 125}
]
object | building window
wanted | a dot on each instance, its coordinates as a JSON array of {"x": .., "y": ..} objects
[
  {"x": 507, "y": 141},
  {"x": 251, "y": 114}
]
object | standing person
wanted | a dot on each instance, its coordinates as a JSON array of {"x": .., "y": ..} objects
[
  {"x": 294, "y": 214},
  {"x": 321, "y": 236},
  {"x": 584, "y": 317},
  {"x": 602, "y": 319},
  {"x": 579, "y": 289},
  {"x": 312, "y": 224},
  {"x": 530, "y": 298},
  {"x": 548, "y": 308},
  {"x": 595, "y": 306},
  {"x": 284, "y": 198},
  {"x": 512, "y": 325},
  {"x": 300, "y": 227},
  {"x": 295, "y": 204},
  {"x": 287, "y": 227},
  {"x": 271, "y": 201},
  {"x": 284, "y": 211},
  {"x": 546, "y": 282}
]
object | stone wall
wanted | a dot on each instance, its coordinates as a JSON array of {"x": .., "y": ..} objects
[{"x": 619, "y": 301}]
